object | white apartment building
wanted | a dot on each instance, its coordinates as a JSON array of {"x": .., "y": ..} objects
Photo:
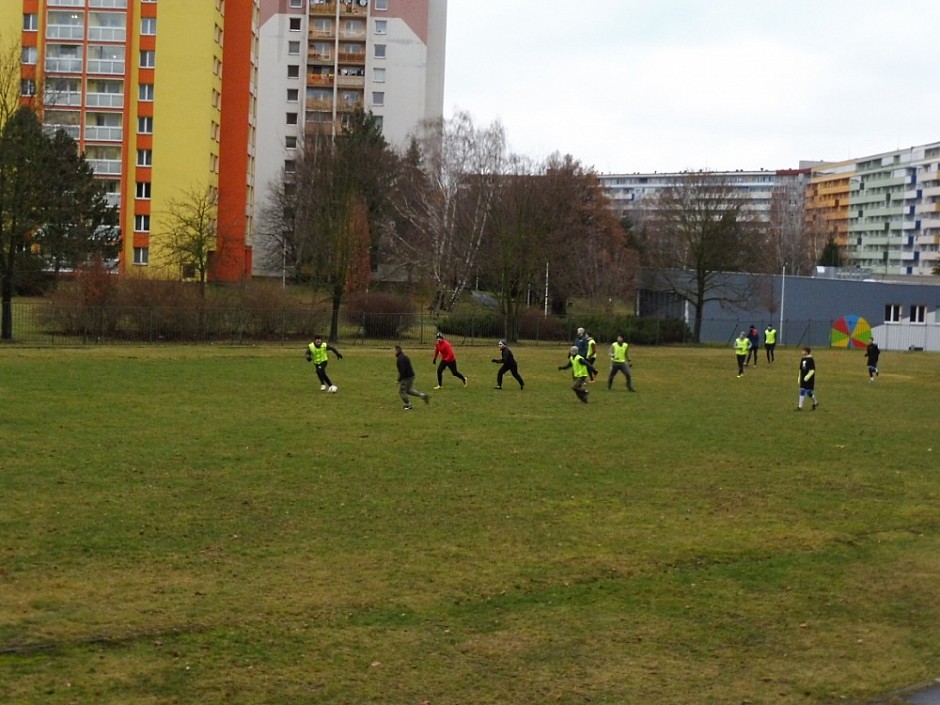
[{"x": 320, "y": 60}]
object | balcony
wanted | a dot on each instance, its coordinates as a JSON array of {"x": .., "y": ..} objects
[
  {"x": 322, "y": 57},
  {"x": 104, "y": 100},
  {"x": 106, "y": 167},
  {"x": 319, "y": 79},
  {"x": 350, "y": 81},
  {"x": 62, "y": 98},
  {"x": 104, "y": 134},
  {"x": 323, "y": 8},
  {"x": 68, "y": 32},
  {"x": 107, "y": 34},
  {"x": 71, "y": 130},
  {"x": 63, "y": 65},
  {"x": 352, "y": 57},
  {"x": 110, "y": 67},
  {"x": 322, "y": 104}
]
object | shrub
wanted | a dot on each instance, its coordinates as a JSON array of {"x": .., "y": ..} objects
[{"x": 380, "y": 314}]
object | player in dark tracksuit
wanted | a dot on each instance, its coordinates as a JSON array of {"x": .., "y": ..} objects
[
  {"x": 807, "y": 379},
  {"x": 872, "y": 352},
  {"x": 507, "y": 363}
]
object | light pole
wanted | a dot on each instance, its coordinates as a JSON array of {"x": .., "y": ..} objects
[{"x": 783, "y": 290}]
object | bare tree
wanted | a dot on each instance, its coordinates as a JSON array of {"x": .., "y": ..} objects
[
  {"x": 786, "y": 230},
  {"x": 447, "y": 191},
  {"x": 191, "y": 234},
  {"x": 10, "y": 86},
  {"x": 694, "y": 232}
]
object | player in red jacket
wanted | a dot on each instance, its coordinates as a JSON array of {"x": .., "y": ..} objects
[{"x": 448, "y": 361}]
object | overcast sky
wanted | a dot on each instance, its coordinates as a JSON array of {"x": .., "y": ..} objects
[{"x": 667, "y": 85}]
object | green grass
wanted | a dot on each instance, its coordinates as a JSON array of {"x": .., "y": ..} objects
[{"x": 202, "y": 525}]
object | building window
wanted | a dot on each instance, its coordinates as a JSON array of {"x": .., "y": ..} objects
[
  {"x": 293, "y": 48},
  {"x": 291, "y": 118},
  {"x": 28, "y": 55},
  {"x": 290, "y": 166},
  {"x": 378, "y": 99},
  {"x": 378, "y": 75},
  {"x": 144, "y": 157},
  {"x": 145, "y": 125},
  {"x": 893, "y": 313},
  {"x": 381, "y": 4},
  {"x": 148, "y": 59},
  {"x": 379, "y": 51},
  {"x": 27, "y": 87},
  {"x": 290, "y": 142},
  {"x": 142, "y": 223},
  {"x": 381, "y": 26},
  {"x": 293, "y": 95},
  {"x": 143, "y": 190},
  {"x": 296, "y": 3},
  {"x": 148, "y": 26},
  {"x": 293, "y": 71},
  {"x": 141, "y": 255},
  {"x": 30, "y": 22},
  {"x": 918, "y": 314},
  {"x": 145, "y": 92},
  {"x": 294, "y": 24}
]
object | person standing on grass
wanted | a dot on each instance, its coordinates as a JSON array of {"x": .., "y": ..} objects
[
  {"x": 591, "y": 356},
  {"x": 872, "y": 352},
  {"x": 406, "y": 380},
  {"x": 580, "y": 370},
  {"x": 753, "y": 337},
  {"x": 316, "y": 353},
  {"x": 807, "y": 379},
  {"x": 770, "y": 342},
  {"x": 620, "y": 362},
  {"x": 448, "y": 361},
  {"x": 507, "y": 362},
  {"x": 741, "y": 346}
]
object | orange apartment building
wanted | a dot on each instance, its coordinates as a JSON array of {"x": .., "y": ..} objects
[{"x": 160, "y": 98}]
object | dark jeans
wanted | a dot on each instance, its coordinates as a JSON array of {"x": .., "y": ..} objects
[
  {"x": 321, "y": 374},
  {"x": 452, "y": 366},
  {"x": 513, "y": 370}
]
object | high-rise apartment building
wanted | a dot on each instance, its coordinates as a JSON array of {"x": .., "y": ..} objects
[
  {"x": 761, "y": 191},
  {"x": 320, "y": 60},
  {"x": 883, "y": 209},
  {"x": 160, "y": 98}
]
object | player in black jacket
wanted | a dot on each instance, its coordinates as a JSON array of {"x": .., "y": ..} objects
[
  {"x": 508, "y": 364},
  {"x": 406, "y": 379}
]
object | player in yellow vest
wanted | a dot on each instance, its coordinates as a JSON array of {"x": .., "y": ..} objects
[
  {"x": 620, "y": 362},
  {"x": 741, "y": 347},
  {"x": 591, "y": 355},
  {"x": 580, "y": 369},
  {"x": 770, "y": 341},
  {"x": 316, "y": 353}
]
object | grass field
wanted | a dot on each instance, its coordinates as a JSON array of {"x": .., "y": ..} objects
[{"x": 202, "y": 525}]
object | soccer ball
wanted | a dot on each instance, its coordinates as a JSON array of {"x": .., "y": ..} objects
[{"x": 333, "y": 389}]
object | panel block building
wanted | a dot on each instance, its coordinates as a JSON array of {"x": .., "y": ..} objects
[
  {"x": 159, "y": 97},
  {"x": 323, "y": 59},
  {"x": 173, "y": 99}
]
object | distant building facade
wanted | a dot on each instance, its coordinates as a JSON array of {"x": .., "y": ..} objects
[
  {"x": 883, "y": 209},
  {"x": 140, "y": 86},
  {"x": 323, "y": 59}
]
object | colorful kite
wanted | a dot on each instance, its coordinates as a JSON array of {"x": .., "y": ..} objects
[{"x": 850, "y": 332}]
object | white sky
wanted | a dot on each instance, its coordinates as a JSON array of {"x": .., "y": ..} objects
[{"x": 667, "y": 85}]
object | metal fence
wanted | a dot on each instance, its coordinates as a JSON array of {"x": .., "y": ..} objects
[{"x": 43, "y": 323}]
